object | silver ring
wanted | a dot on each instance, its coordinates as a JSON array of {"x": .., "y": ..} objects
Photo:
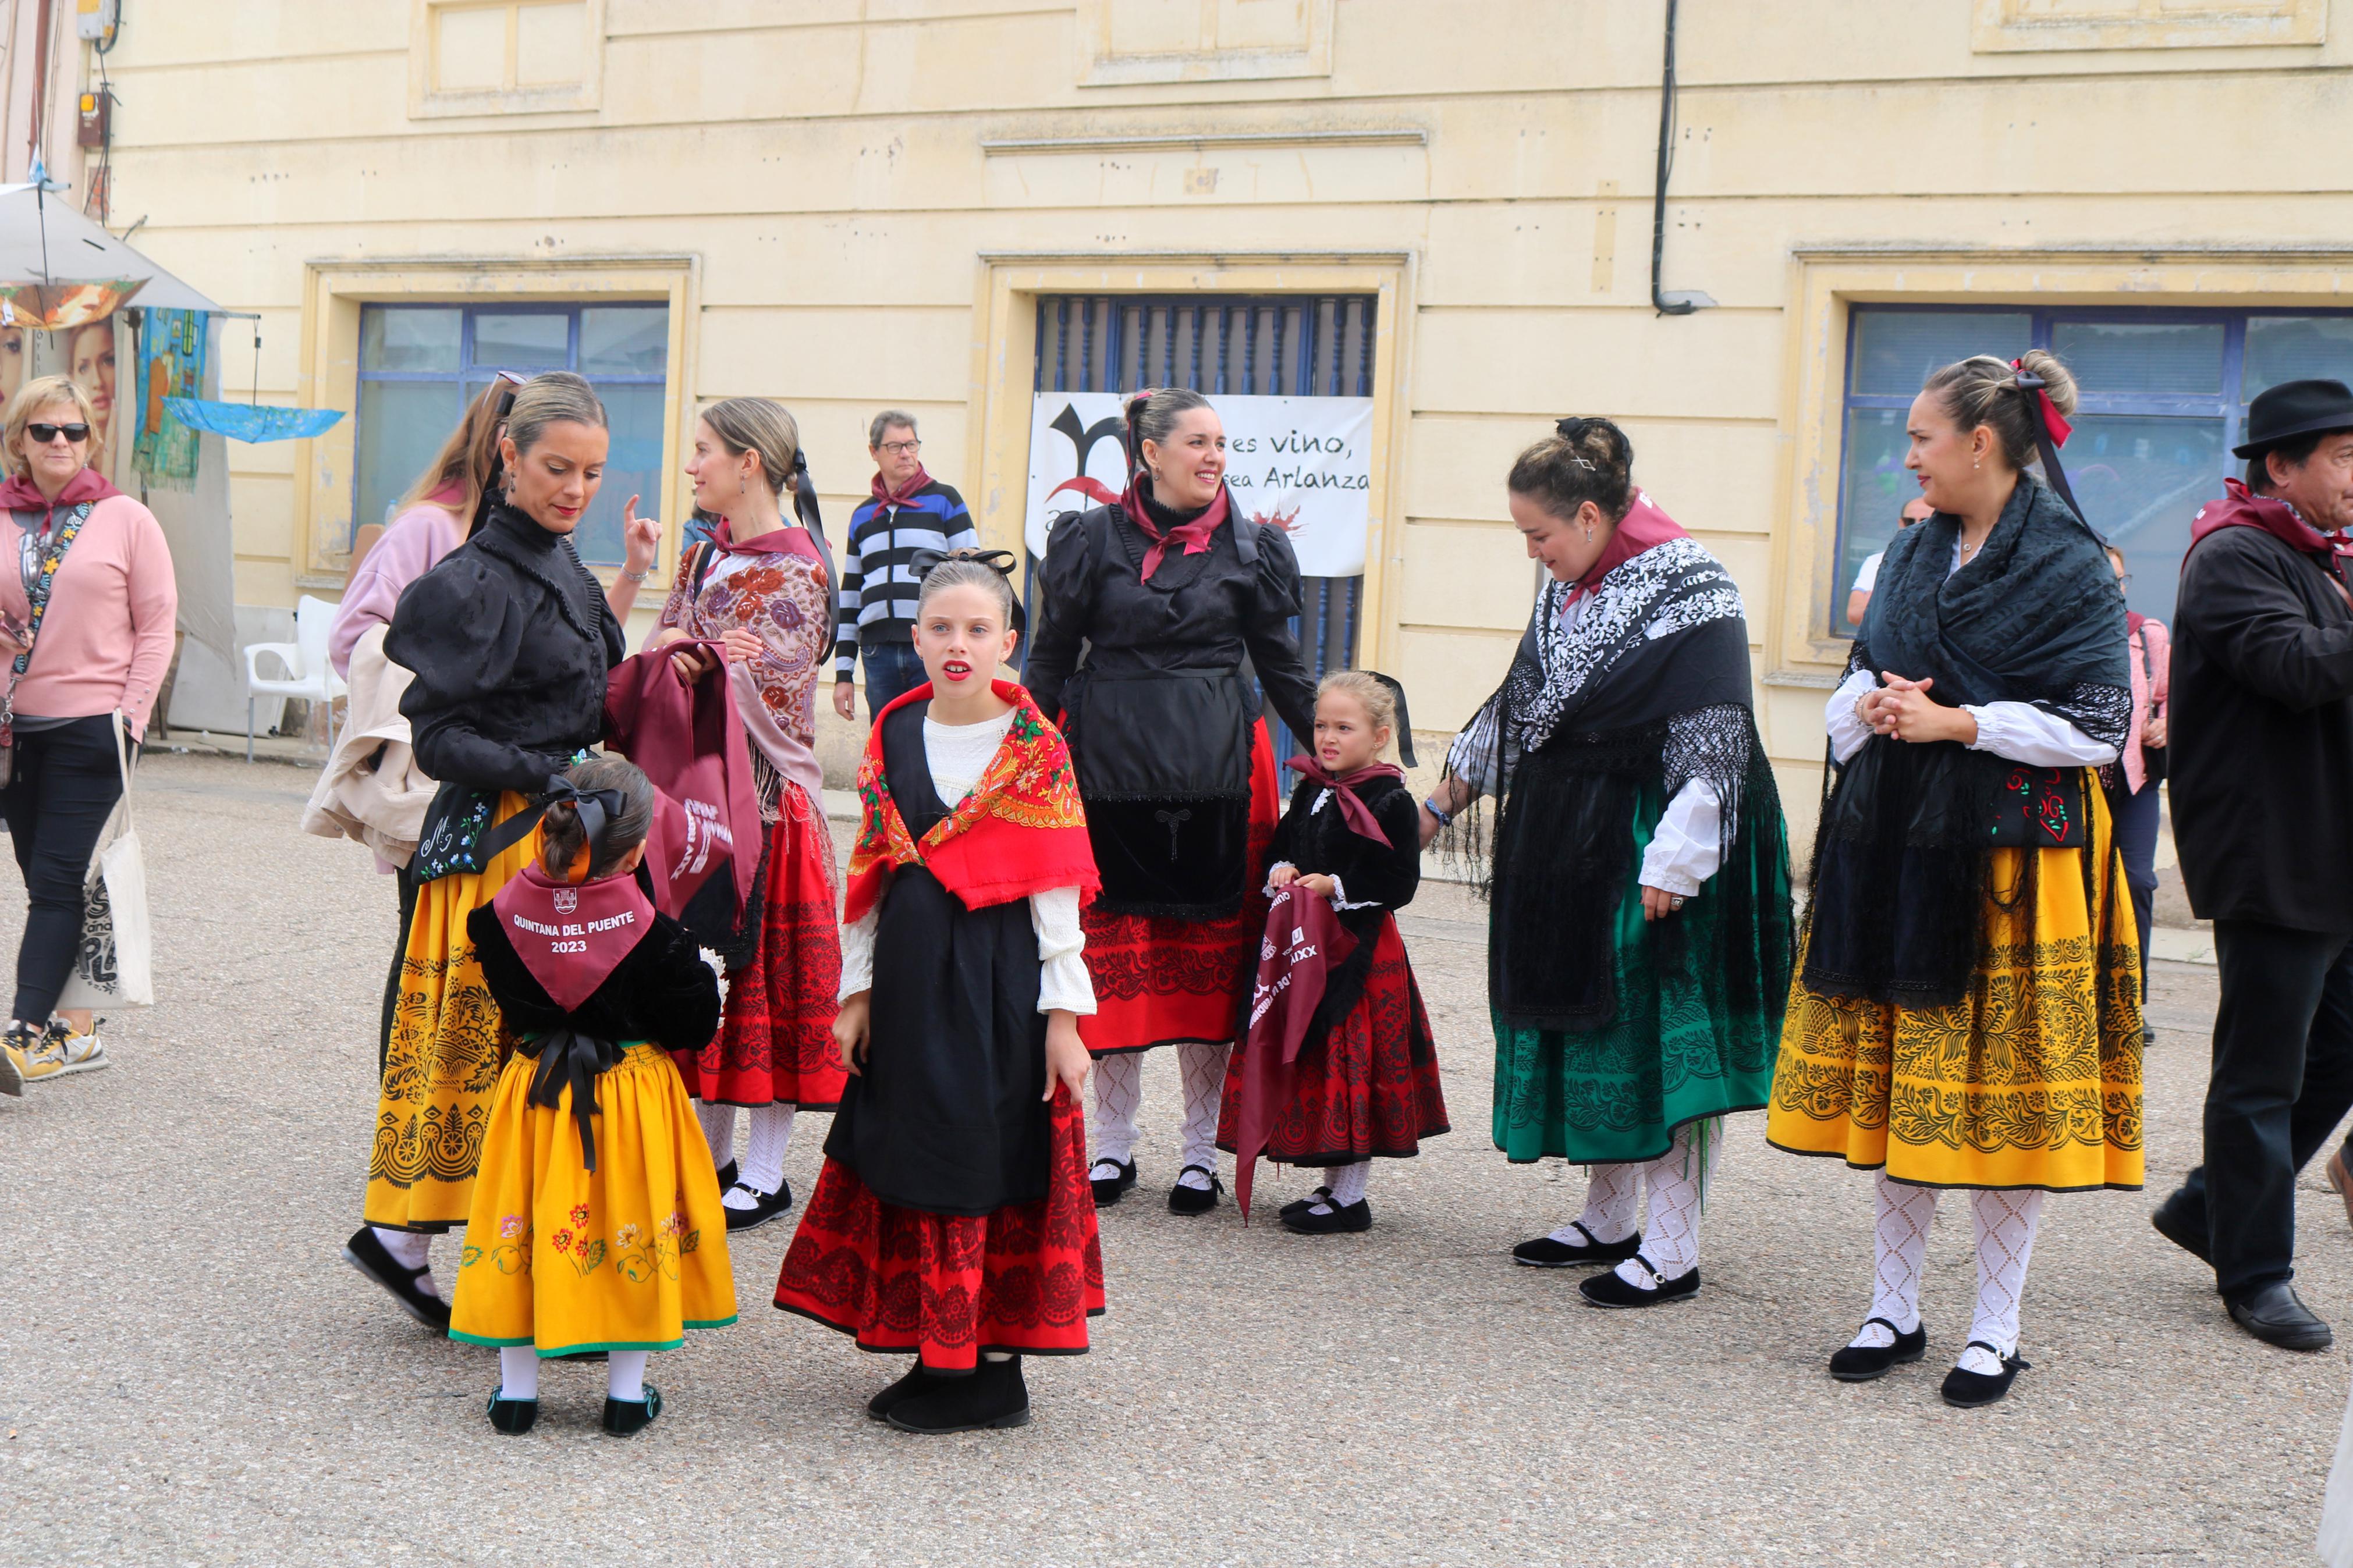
[{"x": 1675, "y": 902}]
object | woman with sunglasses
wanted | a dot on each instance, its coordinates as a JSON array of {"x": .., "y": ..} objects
[
  {"x": 86, "y": 622},
  {"x": 510, "y": 640}
]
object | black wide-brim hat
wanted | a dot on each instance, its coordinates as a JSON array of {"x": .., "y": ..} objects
[{"x": 2295, "y": 408}]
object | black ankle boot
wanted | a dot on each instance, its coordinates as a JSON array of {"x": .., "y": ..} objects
[
  {"x": 993, "y": 1397},
  {"x": 513, "y": 1416},
  {"x": 627, "y": 1417},
  {"x": 919, "y": 1379},
  {"x": 1860, "y": 1363}
]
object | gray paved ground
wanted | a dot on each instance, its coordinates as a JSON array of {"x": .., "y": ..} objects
[{"x": 189, "y": 1375}]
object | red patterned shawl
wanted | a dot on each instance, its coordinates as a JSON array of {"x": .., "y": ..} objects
[{"x": 1021, "y": 831}]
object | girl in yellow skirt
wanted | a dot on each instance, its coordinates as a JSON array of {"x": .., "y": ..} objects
[
  {"x": 595, "y": 1222},
  {"x": 1967, "y": 1010}
]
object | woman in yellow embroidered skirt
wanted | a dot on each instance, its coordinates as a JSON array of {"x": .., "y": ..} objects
[
  {"x": 509, "y": 638},
  {"x": 595, "y": 1223},
  {"x": 1966, "y": 1008}
]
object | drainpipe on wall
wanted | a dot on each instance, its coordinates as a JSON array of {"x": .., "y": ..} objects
[{"x": 1682, "y": 302}]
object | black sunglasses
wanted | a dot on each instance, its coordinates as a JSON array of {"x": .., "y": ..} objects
[{"x": 44, "y": 434}]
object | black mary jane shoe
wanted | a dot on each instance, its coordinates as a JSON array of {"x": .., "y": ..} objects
[
  {"x": 1299, "y": 1205},
  {"x": 1110, "y": 1189},
  {"x": 1347, "y": 1219},
  {"x": 2277, "y": 1315},
  {"x": 366, "y": 1254},
  {"x": 513, "y": 1416},
  {"x": 726, "y": 1174},
  {"x": 1544, "y": 1252},
  {"x": 1860, "y": 1363},
  {"x": 1608, "y": 1290},
  {"x": 920, "y": 1380},
  {"x": 1965, "y": 1390},
  {"x": 627, "y": 1417},
  {"x": 1183, "y": 1199},
  {"x": 766, "y": 1206},
  {"x": 993, "y": 1397}
]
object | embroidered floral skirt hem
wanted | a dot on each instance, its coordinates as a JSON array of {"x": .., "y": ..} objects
[
  {"x": 441, "y": 1062},
  {"x": 1163, "y": 982},
  {"x": 624, "y": 1258},
  {"x": 775, "y": 1045},
  {"x": 1695, "y": 1020},
  {"x": 2033, "y": 1080},
  {"x": 1368, "y": 1089},
  {"x": 1023, "y": 1280}
]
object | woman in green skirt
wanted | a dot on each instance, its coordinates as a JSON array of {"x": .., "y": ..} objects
[{"x": 1639, "y": 952}]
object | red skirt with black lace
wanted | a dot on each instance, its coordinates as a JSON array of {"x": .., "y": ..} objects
[
  {"x": 1023, "y": 1280},
  {"x": 1369, "y": 1087},
  {"x": 775, "y": 1045},
  {"x": 1162, "y": 982}
]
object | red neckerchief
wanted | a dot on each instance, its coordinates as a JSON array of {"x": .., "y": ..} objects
[
  {"x": 1021, "y": 831},
  {"x": 1359, "y": 816},
  {"x": 571, "y": 938},
  {"x": 1194, "y": 535},
  {"x": 21, "y": 494},
  {"x": 1644, "y": 527},
  {"x": 886, "y": 496},
  {"x": 2242, "y": 508},
  {"x": 2134, "y": 621},
  {"x": 1302, "y": 944},
  {"x": 791, "y": 539}
]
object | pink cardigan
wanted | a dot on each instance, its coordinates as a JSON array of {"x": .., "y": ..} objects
[
  {"x": 106, "y": 638},
  {"x": 2149, "y": 650},
  {"x": 417, "y": 539}
]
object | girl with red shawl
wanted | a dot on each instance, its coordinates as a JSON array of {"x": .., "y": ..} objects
[
  {"x": 764, "y": 587},
  {"x": 953, "y": 1217}
]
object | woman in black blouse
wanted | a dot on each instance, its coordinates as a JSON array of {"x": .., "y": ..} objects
[
  {"x": 510, "y": 639},
  {"x": 1166, "y": 591}
]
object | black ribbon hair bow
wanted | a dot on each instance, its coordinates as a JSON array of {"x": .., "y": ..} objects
[{"x": 1001, "y": 561}]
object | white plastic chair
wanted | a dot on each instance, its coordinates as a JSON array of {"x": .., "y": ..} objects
[{"x": 308, "y": 674}]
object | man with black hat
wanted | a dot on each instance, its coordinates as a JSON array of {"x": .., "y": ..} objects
[{"x": 2263, "y": 752}]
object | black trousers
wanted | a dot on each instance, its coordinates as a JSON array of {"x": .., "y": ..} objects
[
  {"x": 2135, "y": 825},
  {"x": 399, "y": 956},
  {"x": 2282, "y": 1079},
  {"x": 63, "y": 787}
]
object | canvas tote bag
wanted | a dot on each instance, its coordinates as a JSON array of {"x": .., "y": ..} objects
[{"x": 114, "y": 966}]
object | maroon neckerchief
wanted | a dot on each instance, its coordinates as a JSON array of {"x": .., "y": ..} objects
[
  {"x": 1303, "y": 943},
  {"x": 1359, "y": 816},
  {"x": 886, "y": 496},
  {"x": 1194, "y": 535},
  {"x": 1644, "y": 527},
  {"x": 2242, "y": 508},
  {"x": 571, "y": 937},
  {"x": 791, "y": 539},
  {"x": 21, "y": 494}
]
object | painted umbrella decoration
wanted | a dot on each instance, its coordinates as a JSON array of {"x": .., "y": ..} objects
[{"x": 252, "y": 421}]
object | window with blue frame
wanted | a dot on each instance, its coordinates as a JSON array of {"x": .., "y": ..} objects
[
  {"x": 2163, "y": 398},
  {"x": 421, "y": 365}
]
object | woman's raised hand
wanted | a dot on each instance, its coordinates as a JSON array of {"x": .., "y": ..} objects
[{"x": 640, "y": 539}]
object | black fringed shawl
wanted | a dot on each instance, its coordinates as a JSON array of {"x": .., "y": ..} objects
[
  {"x": 1900, "y": 862},
  {"x": 1649, "y": 685}
]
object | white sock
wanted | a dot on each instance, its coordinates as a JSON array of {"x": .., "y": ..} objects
[
  {"x": 763, "y": 1169},
  {"x": 2005, "y": 1227},
  {"x": 1204, "y": 1072},
  {"x": 624, "y": 1376},
  {"x": 1119, "y": 1093},
  {"x": 517, "y": 1372},
  {"x": 1348, "y": 1181},
  {"x": 718, "y": 1131},
  {"x": 411, "y": 1249},
  {"x": 1675, "y": 1180},
  {"x": 1899, "y": 1248},
  {"x": 1612, "y": 1198}
]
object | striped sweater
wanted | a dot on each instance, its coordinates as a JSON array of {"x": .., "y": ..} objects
[{"x": 878, "y": 578}]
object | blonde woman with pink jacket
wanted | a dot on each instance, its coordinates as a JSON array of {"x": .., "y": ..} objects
[
  {"x": 86, "y": 624},
  {"x": 2135, "y": 775}
]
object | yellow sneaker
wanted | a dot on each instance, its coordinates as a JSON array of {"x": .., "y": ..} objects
[{"x": 59, "y": 1052}]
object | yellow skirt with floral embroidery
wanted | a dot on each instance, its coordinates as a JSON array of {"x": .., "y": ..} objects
[
  {"x": 2031, "y": 1080},
  {"x": 442, "y": 1061},
  {"x": 624, "y": 1258}
]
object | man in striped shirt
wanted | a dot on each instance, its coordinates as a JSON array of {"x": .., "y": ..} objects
[{"x": 909, "y": 511}]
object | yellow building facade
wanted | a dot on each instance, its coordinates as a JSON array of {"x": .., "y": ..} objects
[{"x": 849, "y": 205}]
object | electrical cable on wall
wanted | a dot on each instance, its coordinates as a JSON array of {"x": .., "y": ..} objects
[{"x": 1683, "y": 302}]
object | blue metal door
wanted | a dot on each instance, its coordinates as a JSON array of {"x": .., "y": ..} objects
[{"x": 1281, "y": 345}]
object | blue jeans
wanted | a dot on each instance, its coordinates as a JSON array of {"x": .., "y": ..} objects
[{"x": 892, "y": 672}]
